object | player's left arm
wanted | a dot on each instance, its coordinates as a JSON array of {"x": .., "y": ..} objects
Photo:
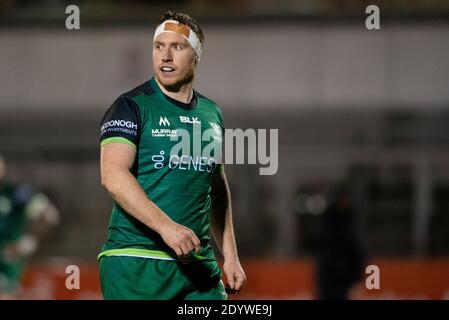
[{"x": 223, "y": 230}]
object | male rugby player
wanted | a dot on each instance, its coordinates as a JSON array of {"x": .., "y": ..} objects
[
  {"x": 166, "y": 202},
  {"x": 26, "y": 216}
]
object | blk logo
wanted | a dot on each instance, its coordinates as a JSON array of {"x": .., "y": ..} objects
[{"x": 194, "y": 120}]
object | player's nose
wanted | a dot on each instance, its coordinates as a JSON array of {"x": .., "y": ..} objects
[{"x": 167, "y": 56}]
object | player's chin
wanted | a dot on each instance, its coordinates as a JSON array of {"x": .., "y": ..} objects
[{"x": 168, "y": 79}]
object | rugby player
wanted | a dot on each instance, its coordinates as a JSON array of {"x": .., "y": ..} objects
[
  {"x": 26, "y": 216},
  {"x": 166, "y": 204}
]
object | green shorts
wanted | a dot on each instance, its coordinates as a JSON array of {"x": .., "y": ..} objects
[{"x": 135, "y": 278}]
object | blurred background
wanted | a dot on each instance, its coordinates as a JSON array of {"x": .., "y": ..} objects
[{"x": 363, "y": 117}]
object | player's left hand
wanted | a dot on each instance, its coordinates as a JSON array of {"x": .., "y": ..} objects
[{"x": 234, "y": 273}]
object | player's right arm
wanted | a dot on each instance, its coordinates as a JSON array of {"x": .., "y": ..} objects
[{"x": 117, "y": 159}]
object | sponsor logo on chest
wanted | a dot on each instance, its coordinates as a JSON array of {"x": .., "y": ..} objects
[{"x": 164, "y": 129}]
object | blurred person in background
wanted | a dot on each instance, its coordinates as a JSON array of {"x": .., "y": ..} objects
[
  {"x": 158, "y": 242},
  {"x": 26, "y": 216},
  {"x": 340, "y": 256}
]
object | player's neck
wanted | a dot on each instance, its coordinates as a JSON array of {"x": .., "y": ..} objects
[{"x": 184, "y": 94}]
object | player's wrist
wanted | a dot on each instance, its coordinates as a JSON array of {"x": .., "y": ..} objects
[
  {"x": 163, "y": 225},
  {"x": 231, "y": 257}
]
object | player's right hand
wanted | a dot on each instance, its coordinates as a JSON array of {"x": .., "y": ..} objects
[{"x": 181, "y": 239}]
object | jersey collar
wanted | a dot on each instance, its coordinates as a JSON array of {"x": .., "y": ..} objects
[{"x": 186, "y": 106}]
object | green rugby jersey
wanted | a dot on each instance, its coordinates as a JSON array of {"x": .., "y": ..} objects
[{"x": 178, "y": 182}]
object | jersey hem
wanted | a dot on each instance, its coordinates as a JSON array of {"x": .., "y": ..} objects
[{"x": 151, "y": 254}]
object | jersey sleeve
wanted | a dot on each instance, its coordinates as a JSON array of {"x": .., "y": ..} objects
[{"x": 121, "y": 123}]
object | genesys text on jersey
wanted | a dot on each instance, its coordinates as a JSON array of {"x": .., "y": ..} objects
[{"x": 251, "y": 146}]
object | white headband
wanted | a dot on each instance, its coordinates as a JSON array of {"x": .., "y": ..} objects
[{"x": 176, "y": 27}]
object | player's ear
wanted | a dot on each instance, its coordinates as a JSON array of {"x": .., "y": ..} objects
[{"x": 196, "y": 57}]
